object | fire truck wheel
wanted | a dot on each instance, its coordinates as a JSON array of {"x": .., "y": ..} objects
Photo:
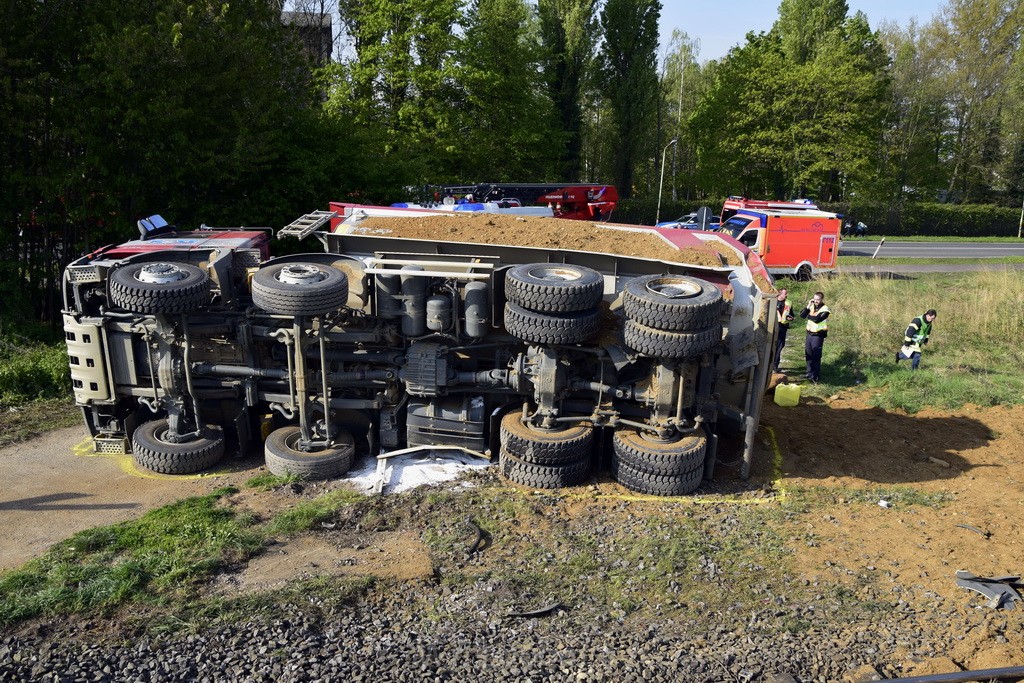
[
  {"x": 153, "y": 451},
  {"x": 518, "y": 471},
  {"x": 804, "y": 273},
  {"x": 674, "y": 345},
  {"x": 656, "y": 484},
  {"x": 299, "y": 288},
  {"x": 285, "y": 459},
  {"x": 672, "y": 458},
  {"x": 545, "y": 447},
  {"x": 551, "y": 328},
  {"x": 159, "y": 288},
  {"x": 672, "y": 302},
  {"x": 554, "y": 287}
]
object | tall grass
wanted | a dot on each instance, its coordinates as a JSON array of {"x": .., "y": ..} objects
[{"x": 974, "y": 354}]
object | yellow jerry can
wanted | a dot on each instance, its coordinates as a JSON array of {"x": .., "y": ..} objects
[{"x": 787, "y": 394}]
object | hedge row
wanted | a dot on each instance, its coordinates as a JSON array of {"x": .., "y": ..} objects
[{"x": 939, "y": 220}]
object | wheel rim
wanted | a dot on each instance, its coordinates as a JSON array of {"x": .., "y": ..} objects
[
  {"x": 674, "y": 289},
  {"x": 291, "y": 442},
  {"x": 300, "y": 274},
  {"x": 555, "y": 274},
  {"x": 160, "y": 273}
]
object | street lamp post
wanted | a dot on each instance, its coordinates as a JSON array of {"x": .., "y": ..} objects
[
  {"x": 1020, "y": 224},
  {"x": 661, "y": 183}
]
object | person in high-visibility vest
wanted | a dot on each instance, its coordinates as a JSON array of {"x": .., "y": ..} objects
[
  {"x": 784, "y": 314},
  {"x": 915, "y": 337},
  {"x": 816, "y": 313}
]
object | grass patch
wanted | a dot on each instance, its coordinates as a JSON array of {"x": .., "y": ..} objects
[
  {"x": 35, "y": 418},
  {"x": 307, "y": 513},
  {"x": 155, "y": 559},
  {"x": 931, "y": 238},
  {"x": 152, "y": 559},
  {"x": 268, "y": 481},
  {"x": 973, "y": 355},
  {"x": 884, "y": 261}
]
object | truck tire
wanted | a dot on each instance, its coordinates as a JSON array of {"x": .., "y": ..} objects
[
  {"x": 672, "y": 302},
  {"x": 545, "y": 448},
  {"x": 551, "y": 328},
  {"x": 299, "y": 288},
  {"x": 673, "y": 458},
  {"x": 151, "y": 451},
  {"x": 554, "y": 287},
  {"x": 674, "y": 345},
  {"x": 520, "y": 472},
  {"x": 804, "y": 273},
  {"x": 159, "y": 288},
  {"x": 656, "y": 484},
  {"x": 285, "y": 459}
]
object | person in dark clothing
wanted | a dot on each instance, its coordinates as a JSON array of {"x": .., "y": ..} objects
[
  {"x": 915, "y": 337},
  {"x": 816, "y": 313},
  {"x": 784, "y": 313}
]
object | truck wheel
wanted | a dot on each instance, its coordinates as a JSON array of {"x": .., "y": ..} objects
[
  {"x": 671, "y": 302},
  {"x": 285, "y": 459},
  {"x": 159, "y": 288},
  {"x": 520, "y": 472},
  {"x": 804, "y": 273},
  {"x": 656, "y": 484},
  {"x": 152, "y": 451},
  {"x": 551, "y": 328},
  {"x": 542, "y": 447},
  {"x": 664, "y": 344},
  {"x": 299, "y": 288},
  {"x": 674, "y": 458},
  {"x": 554, "y": 287}
]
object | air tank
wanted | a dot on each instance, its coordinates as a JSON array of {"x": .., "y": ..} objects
[
  {"x": 414, "y": 303},
  {"x": 439, "y": 313},
  {"x": 478, "y": 309}
]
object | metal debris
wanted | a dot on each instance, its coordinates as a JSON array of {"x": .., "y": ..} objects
[
  {"x": 986, "y": 534},
  {"x": 1001, "y": 591}
]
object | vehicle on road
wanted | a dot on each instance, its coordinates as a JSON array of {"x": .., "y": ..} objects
[
  {"x": 691, "y": 221},
  {"x": 792, "y": 238},
  {"x": 186, "y": 344}
]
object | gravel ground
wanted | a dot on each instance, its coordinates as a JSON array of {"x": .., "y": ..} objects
[
  {"x": 450, "y": 628},
  {"x": 383, "y": 642}
]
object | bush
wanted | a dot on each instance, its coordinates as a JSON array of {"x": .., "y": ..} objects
[
  {"x": 28, "y": 374},
  {"x": 931, "y": 219}
]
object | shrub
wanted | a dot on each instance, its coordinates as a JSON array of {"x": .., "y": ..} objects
[{"x": 28, "y": 374}]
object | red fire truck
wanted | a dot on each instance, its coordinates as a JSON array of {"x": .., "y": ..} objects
[{"x": 792, "y": 238}]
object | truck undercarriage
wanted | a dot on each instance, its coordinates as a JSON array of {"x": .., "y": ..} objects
[{"x": 380, "y": 343}]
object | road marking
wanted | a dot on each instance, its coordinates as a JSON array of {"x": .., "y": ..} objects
[{"x": 87, "y": 449}]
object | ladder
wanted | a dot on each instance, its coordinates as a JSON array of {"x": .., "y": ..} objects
[{"x": 305, "y": 225}]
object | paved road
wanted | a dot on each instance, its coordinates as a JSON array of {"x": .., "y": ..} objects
[{"x": 896, "y": 249}]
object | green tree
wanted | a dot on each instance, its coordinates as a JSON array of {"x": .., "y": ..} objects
[
  {"x": 977, "y": 41},
  {"x": 910, "y": 147},
  {"x": 770, "y": 125},
  {"x": 803, "y": 23},
  {"x": 629, "y": 68},
  {"x": 569, "y": 35},
  {"x": 509, "y": 116}
]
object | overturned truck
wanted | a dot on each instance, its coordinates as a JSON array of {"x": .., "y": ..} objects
[{"x": 560, "y": 349}]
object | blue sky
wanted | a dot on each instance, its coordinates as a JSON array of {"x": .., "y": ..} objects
[{"x": 721, "y": 25}]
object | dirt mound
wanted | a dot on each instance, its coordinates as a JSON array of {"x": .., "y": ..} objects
[{"x": 550, "y": 233}]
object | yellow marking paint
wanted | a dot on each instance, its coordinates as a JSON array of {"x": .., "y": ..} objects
[
  {"x": 125, "y": 462},
  {"x": 776, "y": 462}
]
